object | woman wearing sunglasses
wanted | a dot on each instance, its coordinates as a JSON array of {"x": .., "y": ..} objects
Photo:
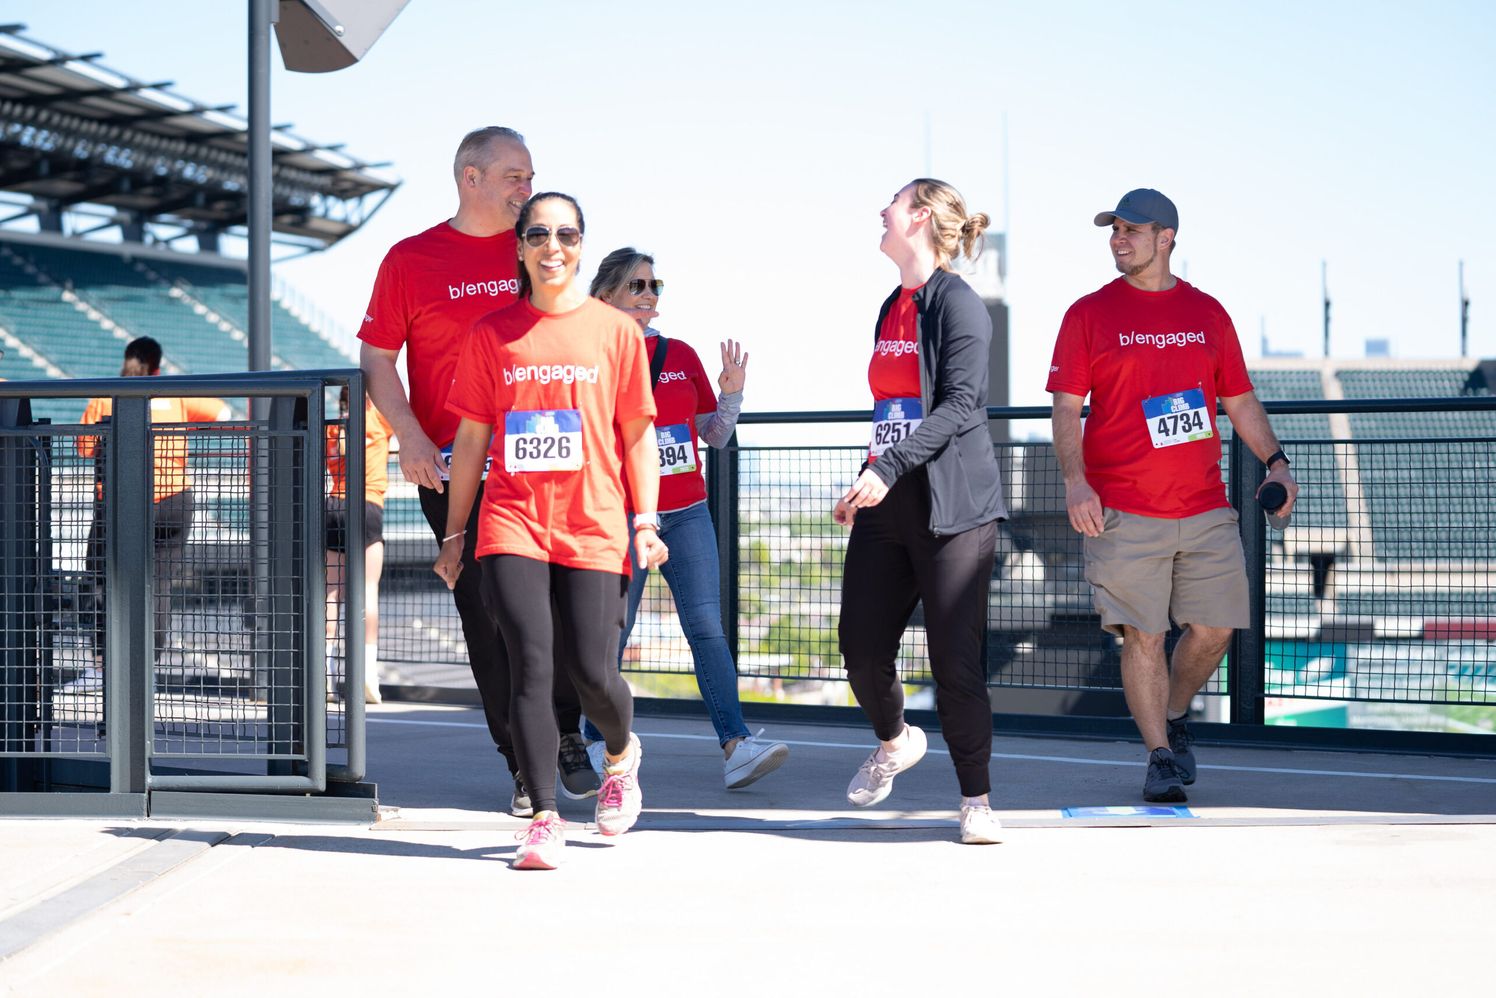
[
  {"x": 688, "y": 414},
  {"x": 555, "y": 389},
  {"x": 924, "y": 509}
]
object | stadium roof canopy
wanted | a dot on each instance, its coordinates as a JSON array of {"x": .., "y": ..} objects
[{"x": 73, "y": 134}]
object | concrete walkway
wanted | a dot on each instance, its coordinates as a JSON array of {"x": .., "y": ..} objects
[{"x": 1295, "y": 872}]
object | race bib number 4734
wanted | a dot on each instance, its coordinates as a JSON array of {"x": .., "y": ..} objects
[
  {"x": 1177, "y": 418},
  {"x": 542, "y": 440}
]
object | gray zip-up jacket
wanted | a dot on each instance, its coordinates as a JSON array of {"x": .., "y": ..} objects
[{"x": 954, "y": 334}]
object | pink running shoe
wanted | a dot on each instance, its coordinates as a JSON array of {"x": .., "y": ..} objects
[
  {"x": 544, "y": 843},
  {"x": 620, "y": 800}
]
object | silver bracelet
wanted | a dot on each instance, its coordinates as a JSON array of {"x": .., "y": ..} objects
[{"x": 451, "y": 537}]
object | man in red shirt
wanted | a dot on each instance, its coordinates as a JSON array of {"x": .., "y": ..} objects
[
  {"x": 1143, "y": 483},
  {"x": 430, "y": 290}
]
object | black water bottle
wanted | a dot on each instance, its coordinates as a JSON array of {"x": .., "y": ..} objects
[{"x": 1272, "y": 497}]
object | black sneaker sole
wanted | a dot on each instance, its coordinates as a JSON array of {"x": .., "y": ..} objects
[{"x": 1170, "y": 796}]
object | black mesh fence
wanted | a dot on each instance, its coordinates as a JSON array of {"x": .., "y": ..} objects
[{"x": 1381, "y": 590}]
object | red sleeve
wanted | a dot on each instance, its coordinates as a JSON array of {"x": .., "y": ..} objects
[
  {"x": 386, "y": 323},
  {"x": 474, "y": 394},
  {"x": 635, "y": 397},
  {"x": 1232, "y": 379},
  {"x": 204, "y": 410},
  {"x": 706, "y": 398},
  {"x": 1070, "y": 369}
]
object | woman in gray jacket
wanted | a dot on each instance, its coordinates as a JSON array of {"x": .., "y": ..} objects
[{"x": 924, "y": 509}]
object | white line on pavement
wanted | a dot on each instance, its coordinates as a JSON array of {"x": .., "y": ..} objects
[{"x": 1070, "y": 760}]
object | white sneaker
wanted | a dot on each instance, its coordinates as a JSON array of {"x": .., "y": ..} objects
[
  {"x": 90, "y": 681},
  {"x": 979, "y": 826},
  {"x": 620, "y": 798},
  {"x": 752, "y": 759},
  {"x": 874, "y": 780},
  {"x": 544, "y": 843}
]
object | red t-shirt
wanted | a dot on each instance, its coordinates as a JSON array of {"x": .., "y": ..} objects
[
  {"x": 556, "y": 388},
  {"x": 893, "y": 373},
  {"x": 681, "y": 393},
  {"x": 430, "y": 290},
  {"x": 1127, "y": 347}
]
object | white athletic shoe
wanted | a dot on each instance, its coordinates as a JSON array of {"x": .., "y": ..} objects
[
  {"x": 979, "y": 826},
  {"x": 874, "y": 780},
  {"x": 751, "y": 760}
]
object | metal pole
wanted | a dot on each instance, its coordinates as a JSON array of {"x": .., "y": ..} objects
[
  {"x": 1324, "y": 292},
  {"x": 262, "y": 13},
  {"x": 1246, "y": 665},
  {"x": 1464, "y": 315}
]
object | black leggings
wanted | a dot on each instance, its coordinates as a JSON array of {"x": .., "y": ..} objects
[
  {"x": 894, "y": 562},
  {"x": 539, "y": 605},
  {"x": 485, "y": 645}
]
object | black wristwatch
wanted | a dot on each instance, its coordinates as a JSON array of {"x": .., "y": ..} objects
[{"x": 1275, "y": 456}]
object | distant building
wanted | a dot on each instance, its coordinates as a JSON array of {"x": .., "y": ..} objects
[{"x": 988, "y": 276}]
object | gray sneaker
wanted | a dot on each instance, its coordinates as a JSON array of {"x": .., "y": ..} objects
[
  {"x": 1163, "y": 784},
  {"x": 1181, "y": 743},
  {"x": 520, "y": 805},
  {"x": 873, "y": 781},
  {"x": 578, "y": 779}
]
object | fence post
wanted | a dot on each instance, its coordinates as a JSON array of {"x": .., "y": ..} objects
[
  {"x": 18, "y": 539},
  {"x": 129, "y": 668},
  {"x": 1246, "y": 667},
  {"x": 722, "y": 500}
]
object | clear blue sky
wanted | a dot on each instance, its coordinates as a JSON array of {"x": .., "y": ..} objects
[{"x": 751, "y": 148}]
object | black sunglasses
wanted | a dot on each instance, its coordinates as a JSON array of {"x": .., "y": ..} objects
[
  {"x": 537, "y": 236},
  {"x": 637, "y": 285}
]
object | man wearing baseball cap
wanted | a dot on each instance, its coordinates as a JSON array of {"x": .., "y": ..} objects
[{"x": 1143, "y": 481}]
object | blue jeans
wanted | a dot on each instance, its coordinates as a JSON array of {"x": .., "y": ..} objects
[{"x": 693, "y": 574}]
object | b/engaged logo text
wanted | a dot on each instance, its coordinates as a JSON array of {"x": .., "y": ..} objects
[
  {"x": 508, "y": 286},
  {"x": 1160, "y": 340},
  {"x": 567, "y": 374}
]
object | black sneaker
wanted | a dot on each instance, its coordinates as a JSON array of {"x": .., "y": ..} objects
[
  {"x": 578, "y": 779},
  {"x": 1182, "y": 743},
  {"x": 1163, "y": 785},
  {"x": 519, "y": 804}
]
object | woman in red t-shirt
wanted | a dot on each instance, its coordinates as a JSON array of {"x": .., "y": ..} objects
[
  {"x": 555, "y": 389},
  {"x": 688, "y": 413},
  {"x": 925, "y": 507}
]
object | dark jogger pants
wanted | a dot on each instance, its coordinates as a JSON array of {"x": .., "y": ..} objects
[{"x": 893, "y": 562}]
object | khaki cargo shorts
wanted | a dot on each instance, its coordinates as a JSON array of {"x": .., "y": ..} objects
[{"x": 1144, "y": 570}]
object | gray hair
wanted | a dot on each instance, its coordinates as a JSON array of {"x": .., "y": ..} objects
[{"x": 473, "y": 150}]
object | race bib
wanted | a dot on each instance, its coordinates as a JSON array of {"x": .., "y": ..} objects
[
  {"x": 447, "y": 459},
  {"x": 893, "y": 420},
  {"x": 542, "y": 440},
  {"x": 1177, "y": 418},
  {"x": 677, "y": 452}
]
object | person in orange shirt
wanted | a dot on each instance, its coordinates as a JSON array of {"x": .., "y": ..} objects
[
  {"x": 555, "y": 387},
  {"x": 377, "y": 434},
  {"x": 171, "y": 486}
]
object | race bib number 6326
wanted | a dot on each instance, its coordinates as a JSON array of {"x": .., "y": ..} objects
[{"x": 542, "y": 440}]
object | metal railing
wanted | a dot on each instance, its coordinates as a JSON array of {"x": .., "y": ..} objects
[
  {"x": 167, "y": 634},
  {"x": 1380, "y": 594}
]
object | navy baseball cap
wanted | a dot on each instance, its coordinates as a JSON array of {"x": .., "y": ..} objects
[{"x": 1142, "y": 206}]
